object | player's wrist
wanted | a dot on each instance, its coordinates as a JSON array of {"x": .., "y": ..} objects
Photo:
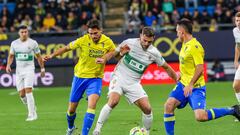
[
  {"x": 42, "y": 69},
  {"x": 120, "y": 53}
]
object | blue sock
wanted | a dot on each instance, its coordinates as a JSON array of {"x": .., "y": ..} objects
[
  {"x": 70, "y": 119},
  {"x": 88, "y": 121},
  {"x": 215, "y": 113},
  {"x": 169, "y": 121}
]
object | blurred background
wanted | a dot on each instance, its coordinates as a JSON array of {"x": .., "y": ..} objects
[{"x": 55, "y": 23}]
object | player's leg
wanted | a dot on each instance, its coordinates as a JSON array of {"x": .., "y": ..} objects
[
  {"x": 198, "y": 102},
  {"x": 236, "y": 85},
  {"x": 20, "y": 88},
  {"x": 78, "y": 88},
  {"x": 114, "y": 94},
  {"x": 23, "y": 97},
  {"x": 147, "y": 117},
  {"x": 93, "y": 91},
  {"x": 32, "y": 115},
  {"x": 28, "y": 86},
  {"x": 176, "y": 99}
]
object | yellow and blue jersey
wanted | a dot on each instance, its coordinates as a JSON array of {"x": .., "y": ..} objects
[
  {"x": 89, "y": 51},
  {"x": 191, "y": 54}
]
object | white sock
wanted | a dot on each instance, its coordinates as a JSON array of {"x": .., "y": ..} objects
[
  {"x": 238, "y": 97},
  {"x": 147, "y": 121},
  {"x": 30, "y": 103},
  {"x": 24, "y": 100},
  {"x": 103, "y": 116}
]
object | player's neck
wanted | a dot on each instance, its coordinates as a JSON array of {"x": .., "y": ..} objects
[
  {"x": 23, "y": 39},
  {"x": 188, "y": 38}
]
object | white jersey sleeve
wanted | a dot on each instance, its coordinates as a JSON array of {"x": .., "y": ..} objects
[
  {"x": 157, "y": 56},
  {"x": 125, "y": 42},
  {"x": 236, "y": 34},
  {"x": 12, "y": 49},
  {"x": 159, "y": 59},
  {"x": 36, "y": 49}
]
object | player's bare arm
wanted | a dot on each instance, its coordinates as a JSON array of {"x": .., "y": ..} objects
[
  {"x": 41, "y": 64},
  {"x": 106, "y": 57},
  {"x": 9, "y": 62},
  {"x": 236, "y": 57},
  {"x": 56, "y": 53},
  {"x": 170, "y": 72},
  {"x": 123, "y": 50},
  {"x": 197, "y": 74}
]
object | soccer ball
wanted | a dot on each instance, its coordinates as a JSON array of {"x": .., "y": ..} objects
[{"x": 138, "y": 131}]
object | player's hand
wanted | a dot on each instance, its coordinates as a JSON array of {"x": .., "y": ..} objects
[
  {"x": 100, "y": 60},
  {"x": 8, "y": 69},
  {"x": 188, "y": 90},
  {"x": 42, "y": 72},
  {"x": 178, "y": 78},
  {"x": 236, "y": 64},
  {"x": 124, "y": 49},
  {"x": 47, "y": 57}
]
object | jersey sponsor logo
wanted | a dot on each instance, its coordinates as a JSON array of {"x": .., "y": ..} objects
[
  {"x": 95, "y": 53},
  {"x": 134, "y": 64},
  {"x": 24, "y": 56}
]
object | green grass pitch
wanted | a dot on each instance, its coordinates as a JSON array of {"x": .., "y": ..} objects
[{"x": 52, "y": 107}]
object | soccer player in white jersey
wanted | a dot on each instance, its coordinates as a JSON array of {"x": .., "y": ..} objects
[
  {"x": 136, "y": 55},
  {"x": 236, "y": 33},
  {"x": 24, "y": 49}
]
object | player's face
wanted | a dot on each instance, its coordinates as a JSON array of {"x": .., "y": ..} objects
[
  {"x": 146, "y": 41},
  {"x": 180, "y": 33},
  {"x": 95, "y": 34},
  {"x": 237, "y": 22},
  {"x": 23, "y": 33}
]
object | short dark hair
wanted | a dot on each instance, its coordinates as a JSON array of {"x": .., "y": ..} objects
[
  {"x": 22, "y": 27},
  {"x": 237, "y": 14},
  {"x": 186, "y": 24},
  {"x": 94, "y": 24},
  {"x": 148, "y": 31}
]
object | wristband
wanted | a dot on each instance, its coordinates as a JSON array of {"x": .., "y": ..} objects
[{"x": 42, "y": 69}]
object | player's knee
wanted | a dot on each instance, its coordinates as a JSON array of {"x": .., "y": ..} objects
[
  {"x": 147, "y": 110},
  {"x": 236, "y": 86},
  {"x": 201, "y": 117},
  {"x": 169, "y": 107},
  {"x": 113, "y": 102}
]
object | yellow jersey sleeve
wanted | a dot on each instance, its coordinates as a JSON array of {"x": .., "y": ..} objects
[
  {"x": 76, "y": 43},
  {"x": 197, "y": 54}
]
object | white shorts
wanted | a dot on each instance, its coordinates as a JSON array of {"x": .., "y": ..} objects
[
  {"x": 132, "y": 92},
  {"x": 24, "y": 80},
  {"x": 237, "y": 74}
]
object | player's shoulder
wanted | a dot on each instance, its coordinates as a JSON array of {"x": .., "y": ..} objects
[
  {"x": 236, "y": 30},
  {"x": 131, "y": 40},
  {"x": 32, "y": 40},
  {"x": 16, "y": 41}
]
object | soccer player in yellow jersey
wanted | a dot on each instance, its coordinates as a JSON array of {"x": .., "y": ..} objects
[
  {"x": 87, "y": 72},
  {"x": 191, "y": 86}
]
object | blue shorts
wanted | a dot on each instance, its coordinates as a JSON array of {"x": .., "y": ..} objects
[
  {"x": 197, "y": 100},
  {"x": 80, "y": 85}
]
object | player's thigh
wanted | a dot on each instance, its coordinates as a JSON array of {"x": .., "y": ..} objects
[
  {"x": 236, "y": 82},
  {"x": 29, "y": 79},
  {"x": 19, "y": 82},
  {"x": 134, "y": 92},
  {"x": 144, "y": 105},
  {"x": 78, "y": 88},
  {"x": 115, "y": 86},
  {"x": 198, "y": 98},
  {"x": 178, "y": 94},
  {"x": 94, "y": 86}
]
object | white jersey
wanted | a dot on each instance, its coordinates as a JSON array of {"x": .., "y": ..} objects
[
  {"x": 132, "y": 66},
  {"x": 236, "y": 34},
  {"x": 24, "y": 54}
]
